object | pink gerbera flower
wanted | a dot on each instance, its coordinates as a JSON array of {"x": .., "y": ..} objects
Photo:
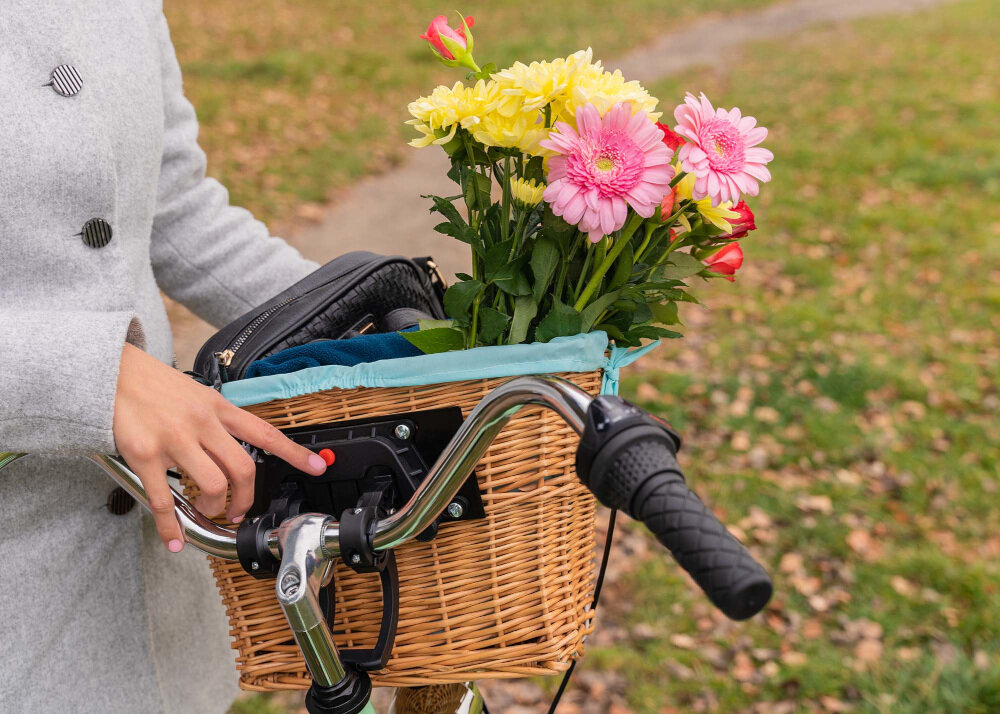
[
  {"x": 720, "y": 150},
  {"x": 604, "y": 166}
]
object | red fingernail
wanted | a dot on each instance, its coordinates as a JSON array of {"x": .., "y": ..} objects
[
  {"x": 175, "y": 546},
  {"x": 317, "y": 462}
]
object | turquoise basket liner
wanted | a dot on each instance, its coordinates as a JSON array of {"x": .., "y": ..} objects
[{"x": 579, "y": 353}]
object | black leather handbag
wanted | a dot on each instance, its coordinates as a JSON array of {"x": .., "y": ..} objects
[{"x": 357, "y": 293}]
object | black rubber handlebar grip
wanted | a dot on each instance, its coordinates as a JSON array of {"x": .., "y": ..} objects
[
  {"x": 628, "y": 459},
  {"x": 700, "y": 543}
]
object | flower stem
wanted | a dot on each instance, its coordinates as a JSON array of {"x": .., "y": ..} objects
[
  {"x": 591, "y": 249},
  {"x": 561, "y": 280},
  {"x": 475, "y": 321},
  {"x": 505, "y": 223},
  {"x": 630, "y": 228},
  {"x": 518, "y": 234}
]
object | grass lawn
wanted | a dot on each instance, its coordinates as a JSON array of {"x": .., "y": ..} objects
[
  {"x": 839, "y": 401},
  {"x": 297, "y": 99}
]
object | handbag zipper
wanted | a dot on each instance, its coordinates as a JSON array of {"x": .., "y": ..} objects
[{"x": 225, "y": 357}]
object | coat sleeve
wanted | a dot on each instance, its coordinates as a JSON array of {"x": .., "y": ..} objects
[
  {"x": 58, "y": 378},
  {"x": 212, "y": 257}
]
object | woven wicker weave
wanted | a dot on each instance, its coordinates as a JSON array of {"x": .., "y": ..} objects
[{"x": 507, "y": 596}]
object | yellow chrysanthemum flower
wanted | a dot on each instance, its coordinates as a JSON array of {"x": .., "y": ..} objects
[
  {"x": 438, "y": 116},
  {"x": 529, "y": 88},
  {"x": 521, "y": 131},
  {"x": 718, "y": 216},
  {"x": 526, "y": 193},
  {"x": 594, "y": 85}
]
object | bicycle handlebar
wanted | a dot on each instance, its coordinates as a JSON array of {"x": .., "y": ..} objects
[
  {"x": 637, "y": 475},
  {"x": 626, "y": 458}
]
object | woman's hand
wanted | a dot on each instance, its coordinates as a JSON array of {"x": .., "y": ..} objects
[{"x": 164, "y": 419}]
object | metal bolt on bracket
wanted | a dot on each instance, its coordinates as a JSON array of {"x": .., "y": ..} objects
[
  {"x": 455, "y": 509},
  {"x": 290, "y": 584},
  {"x": 355, "y": 558},
  {"x": 255, "y": 565},
  {"x": 402, "y": 431}
]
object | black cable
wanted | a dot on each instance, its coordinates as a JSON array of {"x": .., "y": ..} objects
[{"x": 597, "y": 597}]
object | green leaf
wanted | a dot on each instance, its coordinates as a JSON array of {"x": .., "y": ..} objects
[
  {"x": 642, "y": 314},
  {"x": 533, "y": 170},
  {"x": 458, "y": 299},
  {"x": 544, "y": 261},
  {"x": 434, "y": 324},
  {"x": 491, "y": 324},
  {"x": 490, "y": 227},
  {"x": 440, "y": 339},
  {"x": 477, "y": 190},
  {"x": 664, "y": 313},
  {"x": 511, "y": 280},
  {"x": 525, "y": 309},
  {"x": 613, "y": 332},
  {"x": 497, "y": 258},
  {"x": 464, "y": 276},
  {"x": 593, "y": 311},
  {"x": 557, "y": 229},
  {"x": 680, "y": 266},
  {"x": 562, "y": 320},
  {"x": 651, "y": 332},
  {"x": 463, "y": 233},
  {"x": 623, "y": 268},
  {"x": 456, "y": 170},
  {"x": 446, "y": 209}
]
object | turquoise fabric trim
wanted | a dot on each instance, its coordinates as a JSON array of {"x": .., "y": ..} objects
[
  {"x": 579, "y": 353},
  {"x": 621, "y": 357}
]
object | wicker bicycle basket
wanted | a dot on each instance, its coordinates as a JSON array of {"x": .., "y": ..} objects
[{"x": 506, "y": 596}]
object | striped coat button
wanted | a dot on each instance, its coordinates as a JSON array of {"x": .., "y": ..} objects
[
  {"x": 96, "y": 233},
  {"x": 66, "y": 80},
  {"x": 120, "y": 502}
]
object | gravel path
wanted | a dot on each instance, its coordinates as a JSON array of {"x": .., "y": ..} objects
[{"x": 386, "y": 214}]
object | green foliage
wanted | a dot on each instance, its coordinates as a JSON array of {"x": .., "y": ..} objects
[
  {"x": 436, "y": 339},
  {"x": 535, "y": 277},
  {"x": 856, "y": 363}
]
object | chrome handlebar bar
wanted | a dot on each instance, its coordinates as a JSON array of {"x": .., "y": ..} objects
[
  {"x": 308, "y": 544},
  {"x": 432, "y": 496}
]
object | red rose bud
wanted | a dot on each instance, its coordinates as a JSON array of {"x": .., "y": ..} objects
[
  {"x": 743, "y": 224},
  {"x": 727, "y": 261},
  {"x": 671, "y": 138},
  {"x": 667, "y": 205},
  {"x": 452, "y": 46}
]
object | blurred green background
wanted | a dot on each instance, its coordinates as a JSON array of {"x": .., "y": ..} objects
[{"x": 839, "y": 401}]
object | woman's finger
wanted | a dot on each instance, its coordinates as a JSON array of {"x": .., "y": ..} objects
[
  {"x": 237, "y": 465},
  {"x": 153, "y": 475},
  {"x": 211, "y": 481},
  {"x": 244, "y": 425}
]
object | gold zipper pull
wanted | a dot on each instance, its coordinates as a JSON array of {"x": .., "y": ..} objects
[
  {"x": 225, "y": 357},
  {"x": 438, "y": 275}
]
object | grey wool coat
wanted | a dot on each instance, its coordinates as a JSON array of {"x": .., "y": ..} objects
[{"x": 95, "y": 615}]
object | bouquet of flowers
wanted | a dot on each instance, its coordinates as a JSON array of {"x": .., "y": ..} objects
[{"x": 582, "y": 211}]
